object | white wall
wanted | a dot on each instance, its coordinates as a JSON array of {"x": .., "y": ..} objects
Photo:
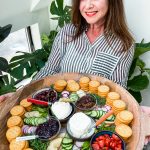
[
  {"x": 138, "y": 18},
  {"x": 24, "y": 13}
]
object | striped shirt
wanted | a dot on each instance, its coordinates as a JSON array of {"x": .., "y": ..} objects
[{"x": 79, "y": 55}]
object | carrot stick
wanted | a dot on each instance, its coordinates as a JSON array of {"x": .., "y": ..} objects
[{"x": 103, "y": 118}]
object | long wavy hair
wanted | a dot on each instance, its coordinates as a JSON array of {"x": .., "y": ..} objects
[{"x": 114, "y": 22}]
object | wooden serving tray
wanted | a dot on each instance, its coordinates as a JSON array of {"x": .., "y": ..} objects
[{"x": 140, "y": 122}]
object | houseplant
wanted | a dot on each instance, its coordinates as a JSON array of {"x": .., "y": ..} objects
[{"x": 31, "y": 63}]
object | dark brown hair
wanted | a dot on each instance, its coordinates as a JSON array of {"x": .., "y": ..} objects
[{"x": 114, "y": 22}]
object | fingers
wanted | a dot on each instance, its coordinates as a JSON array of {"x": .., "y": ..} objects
[
  {"x": 146, "y": 110},
  {"x": 5, "y": 96}
]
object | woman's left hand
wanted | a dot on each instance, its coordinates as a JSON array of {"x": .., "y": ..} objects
[{"x": 5, "y": 96}]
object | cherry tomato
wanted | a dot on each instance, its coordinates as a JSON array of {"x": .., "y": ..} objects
[
  {"x": 115, "y": 137},
  {"x": 101, "y": 143},
  {"x": 95, "y": 147},
  {"x": 107, "y": 142},
  {"x": 101, "y": 137}
]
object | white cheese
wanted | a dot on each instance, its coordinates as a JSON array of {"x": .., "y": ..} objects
[
  {"x": 61, "y": 109},
  {"x": 79, "y": 123}
]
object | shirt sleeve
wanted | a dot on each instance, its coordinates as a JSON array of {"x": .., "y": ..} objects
[
  {"x": 120, "y": 75},
  {"x": 52, "y": 66}
]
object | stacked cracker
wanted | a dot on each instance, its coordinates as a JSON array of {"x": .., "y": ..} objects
[
  {"x": 60, "y": 85},
  {"x": 124, "y": 131},
  {"x": 15, "y": 123},
  {"x": 103, "y": 90},
  {"x": 118, "y": 106},
  {"x": 111, "y": 97},
  {"x": 72, "y": 86},
  {"x": 84, "y": 83},
  {"x": 93, "y": 86},
  {"x": 124, "y": 117}
]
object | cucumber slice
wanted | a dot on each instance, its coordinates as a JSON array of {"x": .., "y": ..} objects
[
  {"x": 93, "y": 114},
  {"x": 111, "y": 118},
  {"x": 101, "y": 113},
  {"x": 67, "y": 141},
  {"x": 68, "y": 147},
  {"x": 88, "y": 113}
]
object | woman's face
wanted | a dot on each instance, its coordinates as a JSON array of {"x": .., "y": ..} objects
[{"x": 94, "y": 11}]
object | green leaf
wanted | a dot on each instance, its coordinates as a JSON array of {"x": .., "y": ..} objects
[
  {"x": 6, "y": 79},
  {"x": 136, "y": 95},
  {"x": 45, "y": 39},
  {"x": 60, "y": 5},
  {"x": 61, "y": 22},
  {"x": 138, "y": 83},
  {"x": 4, "y": 32},
  {"x": 141, "y": 48},
  {"x": 54, "y": 9},
  {"x": 147, "y": 70},
  {"x": 63, "y": 15},
  {"x": 86, "y": 145},
  {"x": 140, "y": 63},
  {"x": 3, "y": 64},
  {"x": 7, "y": 89},
  {"x": 17, "y": 72}
]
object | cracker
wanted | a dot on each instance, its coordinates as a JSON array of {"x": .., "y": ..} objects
[
  {"x": 119, "y": 104},
  {"x": 13, "y": 132},
  {"x": 113, "y": 95},
  {"x": 123, "y": 130},
  {"x": 84, "y": 80},
  {"x": 17, "y": 145},
  {"x": 126, "y": 115},
  {"x": 14, "y": 121},
  {"x": 103, "y": 89},
  {"x": 94, "y": 83},
  {"x": 25, "y": 103},
  {"x": 60, "y": 83},
  {"x": 17, "y": 110}
]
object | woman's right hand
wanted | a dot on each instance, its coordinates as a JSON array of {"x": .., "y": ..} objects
[{"x": 5, "y": 96}]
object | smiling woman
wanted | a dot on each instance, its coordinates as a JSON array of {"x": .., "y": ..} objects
[{"x": 96, "y": 42}]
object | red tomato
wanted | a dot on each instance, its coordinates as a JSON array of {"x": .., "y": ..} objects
[
  {"x": 107, "y": 142},
  {"x": 115, "y": 137},
  {"x": 119, "y": 146},
  {"x": 106, "y": 135},
  {"x": 101, "y": 137},
  {"x": 101, "y": 143},
  {"x": 95, "y": 147}
]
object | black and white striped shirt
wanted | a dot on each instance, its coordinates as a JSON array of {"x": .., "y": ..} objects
[{"x": 79, "y": 55}]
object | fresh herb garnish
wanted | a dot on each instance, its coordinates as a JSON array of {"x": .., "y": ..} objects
[
  {"x": 86, "y": 145},
  {"x": 105, "y": 127},
  {"x": 100, "y": 100},
  {"x": 37, "y": 144}
]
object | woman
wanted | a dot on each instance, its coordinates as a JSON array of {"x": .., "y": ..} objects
[{"x": 97, "y": 42}]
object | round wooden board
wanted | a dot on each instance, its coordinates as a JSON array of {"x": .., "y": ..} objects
[{"x": 135, "y": 142}]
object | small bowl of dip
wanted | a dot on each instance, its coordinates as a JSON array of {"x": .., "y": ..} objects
[{"x": 85, "y": 103}]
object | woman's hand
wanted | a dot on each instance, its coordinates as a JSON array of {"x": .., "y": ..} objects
[
  {"x": 146, "y": 110},
  {"x": 5, "y": 96}
]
